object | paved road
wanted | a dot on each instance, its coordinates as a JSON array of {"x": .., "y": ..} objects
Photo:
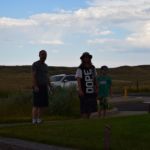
[
  {"x": 131, "y": 103},
  {"x": 130, "y": 106}
]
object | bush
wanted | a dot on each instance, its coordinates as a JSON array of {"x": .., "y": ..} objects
[
  {"x": 64, "y": 102},
  {"x": 16, "y": 104}
]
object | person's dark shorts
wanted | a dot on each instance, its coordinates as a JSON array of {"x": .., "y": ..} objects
[
  {"x": 40, "y": 98},
  {"x": 88, "y": 104}
]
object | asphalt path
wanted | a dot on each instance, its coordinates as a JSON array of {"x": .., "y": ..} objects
[
  {"x": 131, "y": 106},
  {"x": 131, "y": 103},
  {"x": 17, "y": 144}
]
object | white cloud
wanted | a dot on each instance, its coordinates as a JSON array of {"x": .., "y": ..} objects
[
  {"x": 47, "y": 42},
  {"x": 99, "y": 32},
  {"x": 99, "y": 19},
  {"x": 109, "y": 44},
  {"x": 107, "y": 32},
  {"x": 55, "y": 51},
  {"x": 142, "y": 37},
  {"x": 121, "y": 10},
  {"x": 116, "y": 2},
  {"x": 11, "y": 22},
  {"x": 101, "y": 41}
]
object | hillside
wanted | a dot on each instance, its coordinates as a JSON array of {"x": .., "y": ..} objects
[
  {"x": 19, "y": 77},
  {"x": 131, "y": 73}
]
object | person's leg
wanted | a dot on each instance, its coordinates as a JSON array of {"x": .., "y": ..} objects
[
  {"x": 101, "y": 107},
  {"x": 105, "y": 107},
  {"x": 39, "y": 120},
  {"x": 88, "y": 115},
  {"x": 100, "y": 112},
  {"x": 104, "y": 112},
  {"x": 85, "y": 115},
  {"x": 35, "y": 107},
  {"x": 82, "y": 108},
  {"x": 34, "y": 114},
  {"x": 41, "y": 111},
  {"x": 43, "y": 102}
]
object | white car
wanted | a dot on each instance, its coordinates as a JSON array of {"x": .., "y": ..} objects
[{"x": 63, "y": 80}]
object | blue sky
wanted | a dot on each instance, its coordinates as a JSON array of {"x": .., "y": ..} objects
[
  {"x": 115, "y": 32},
  {"x": 24, "y": 8}
]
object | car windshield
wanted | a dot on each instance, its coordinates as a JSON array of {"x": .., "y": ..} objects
[
  {"x": 56, "y": 78},
  {"x": 70, "y": 78}
]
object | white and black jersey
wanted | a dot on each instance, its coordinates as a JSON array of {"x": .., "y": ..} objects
[{"x": 87, "y": 76}]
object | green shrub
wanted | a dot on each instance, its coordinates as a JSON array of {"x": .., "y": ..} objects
[
  {"x": 5, "y": 94},
  {"x": 16, "y": 104},
  {"x": 64, "y": 102}
]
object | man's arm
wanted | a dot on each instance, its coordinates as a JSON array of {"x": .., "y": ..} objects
[
  {"x": 34, "y": 78},
  {"x": 35, "y": 85},
  {"x": 50, "y": 87}
]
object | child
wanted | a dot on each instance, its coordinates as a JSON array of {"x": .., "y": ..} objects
[{"x": 104, "y": 83}]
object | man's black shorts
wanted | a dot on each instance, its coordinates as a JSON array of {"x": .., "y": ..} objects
[
  {"x": 88, "y": 104},
  {"x": 40, "y": 98}
]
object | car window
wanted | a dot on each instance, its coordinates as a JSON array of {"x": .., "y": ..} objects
[
  {"x": 70, "y": 78},
  {"x": 56, "y": 78}
]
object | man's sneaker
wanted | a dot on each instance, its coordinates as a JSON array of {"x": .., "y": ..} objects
[
  {"x": 34, "y": 121},
  {"x": 39, "y": 121}
]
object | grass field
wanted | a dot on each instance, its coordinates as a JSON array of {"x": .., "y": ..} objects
[{"x": 127, "y": 133}]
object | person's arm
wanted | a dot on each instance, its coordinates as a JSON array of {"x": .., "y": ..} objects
[
  {"x": 110, "y": 89},
  {"x": 35, "y": 85},
  {"x": 96, "y": 86},
  {"x": 79, "y": 77},
  {"x": 79, "y": 86},
  {"x": 50, "y": 87},
  {"x": 34, "y": 78},
  {"x": 95, "y": 81},
  {"x": 49, "y": 81}
]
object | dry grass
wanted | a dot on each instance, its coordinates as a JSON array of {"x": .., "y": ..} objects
[{"x": 19, "y": 77}]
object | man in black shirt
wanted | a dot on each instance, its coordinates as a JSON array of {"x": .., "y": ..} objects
[{"x": 40, "y": 87}]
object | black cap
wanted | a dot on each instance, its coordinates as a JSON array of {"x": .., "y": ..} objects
[
  {"x": 104, "y": 68},
  {"x": 86, "y": 54}
]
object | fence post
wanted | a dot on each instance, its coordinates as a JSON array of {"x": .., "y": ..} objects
[
  {"x": 125, "y": 92},
  {"x": 107, "y": 133},
  {"x": 137, "y": 85}
]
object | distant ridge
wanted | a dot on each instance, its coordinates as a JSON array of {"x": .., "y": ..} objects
[{"x": 20, "y": 77}]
